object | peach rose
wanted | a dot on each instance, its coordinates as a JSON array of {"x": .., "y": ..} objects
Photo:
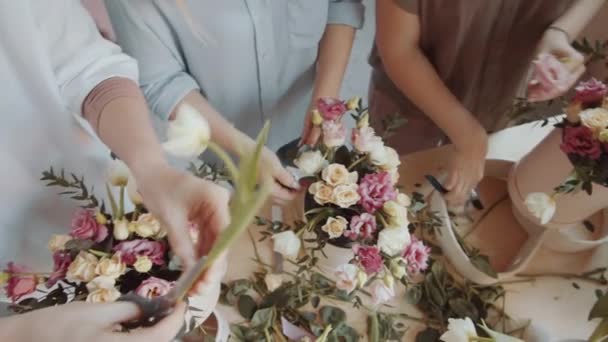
[
  {"x": 111, "y": 267},
  {"x": 82, "y": 269},
  {"x": 337, "y": 174},
  {"x": 346, "y": 196},
  {"x": 322, "y": 192},
  {"x": 335, "y": 226}
]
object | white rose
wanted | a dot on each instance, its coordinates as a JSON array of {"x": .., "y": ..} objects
[
  {"x": 541, "y": 205},
  {"x": 82, "y": 269},
  {"x": 287, "y": 243},
  {"x": 347, "y": 277},
  {"x": 459, "y": 330},
  {"x": 57, "y": 242},
  {"x": 393, "y": 241},
  {"x": 111, "y": 267},
  {"x": 346, "y": 196},
  {"x": 121, "y": 229},
  {"x": 133, "y": 193},
  {"x": 382, "y": 293},
  {"x": 101, "y": 282},
  {"x": 397, "y": 214},
  {"x": 118, "y": 173},
  {"x": 103, "y": 296},
  {"x": 337, "y": 174},
  {"x": 404, "y": 200},
  {"x": 394, "y": 173},
  {"x": 322, "y": 192},
  {"x": 188, "y": 135},
  {"x": 335, "y": 226},
  {"x": 596, "y": 119},
  {"x": 273, "y": 281},
  {"x": 310, "y": 162},
  {"x": 148, "y": 226},
  {"x": 377, "y": 153},
  {"x": 143, "y": 264},
  {"x": 391, "y": 160}
]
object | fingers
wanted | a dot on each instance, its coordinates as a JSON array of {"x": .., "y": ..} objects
[
  {"x": 282, "y": 194},
  {"x": 179, "y": 237},
  {"x": 165, "y": 330},
  {"x": 111, "y": 314},
  {"x": 285, "y": 178},
  {"x": 305, "y": 132},
  {"x": 313, "y": 136},
  {"x": 212, "y": 277}
]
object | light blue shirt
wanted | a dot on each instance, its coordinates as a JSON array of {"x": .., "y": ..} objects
[{"x": 255, "y": 62}]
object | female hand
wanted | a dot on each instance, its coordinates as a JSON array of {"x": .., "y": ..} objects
[
  {"x": 310, "y": 132},
  {"x": 558, "y": 44},
  {"x": 82, "y": 321},
  {"x": 467, "y": 166},
  {"x": 284, "y": 187},
  {"x": 177, "y": 198}
]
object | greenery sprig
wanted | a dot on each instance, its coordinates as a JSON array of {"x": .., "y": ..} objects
[{"x": 76, "y": 188}]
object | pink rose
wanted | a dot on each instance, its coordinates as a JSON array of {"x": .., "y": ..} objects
[
  {"x": 376, "y": 189},
  {"x": 85, "y": 227},
  {"x": 590, "y": 92},
  {"x": 416, "y": 256},
  {"x": 130, "y": 250},
  {"x": 362, "y": 226},
  {"x": 550, "y": 78},
  {"x": 62, "y": 262},
  {"x": 369, "y": 258},
  {"x": 365, "y": 139},
  {"x": 331, "y": 108},
  {"x": 579, "y": 140},
  {"x": 154, "y": 287},
  {"x": 334, "y": 134},
  {"x": 19, "y": 284}
]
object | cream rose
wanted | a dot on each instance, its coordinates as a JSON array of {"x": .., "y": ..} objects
[
  {"x": 82, "y": 269},
  {"x": 346, "y": 196},
  {"x": 57, "y": 242},
  {"x": 337, "y": 174},
  {"x": 397, "y": 214},
  {"x": 287, "y": 243},
  {"x": 596, "y": 119},
  {"x": 143, "y": 264},
  {"x": 404, "y": 200},
  {"x": 604, "y": 136},
  {"x": 111, "y": 267},
  {"x": 101, "y": 282},
  {"x": 541, "y": 205},
  {"x": 103, "y": 296},
  {"x": 377, "y": 153},
  {"x": 335, "y": 226},
  {"x": 391, "y": 160},
  {"x": 148, "y": 226},
  {"x": 393, "y": 241},
  {"x": 118, "y": 173},
  {"x": 394, "y": 173},
  {"x": 322, "y": 192},
  {"x": 273, "y": 281},
  {"x": 310, "y": 162},
  {"x": 121, "y": 229}
]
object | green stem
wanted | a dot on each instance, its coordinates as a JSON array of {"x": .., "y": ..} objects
[
  {"x": 121, "y": 208},
  {"x": 601, "y": 332},
  {"x": 374, "y": 329},
  {"x": 229, "y": 163},
  {"x": 480, "y": 339},
  {"x": 112, "y": 201},
  {"x": 357, "y": 162},
  {"x": 583, "y": 277}
]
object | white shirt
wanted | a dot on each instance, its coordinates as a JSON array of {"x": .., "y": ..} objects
[{"x": 51, "y": 57}]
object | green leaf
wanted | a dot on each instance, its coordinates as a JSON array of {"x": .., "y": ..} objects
[
  {"x": 247, "y": 306},
  {"x": 331, "y": 315},
  {"x": 79, "y": 245},
  {"x": 463, "y": 308},
  {"x": 263, "y": 318},
  {"x": 482, "y": 263},
  {"x": 240, "y": 286},
  {"x": 436, "y": 294},
  {"x": 428, "y": 335},
  {"x": 600, "y": 308},
  {"x": 315, "y": 301},
  {"x": 373, "y": 333},
  {"x": 414, "y": 294}
]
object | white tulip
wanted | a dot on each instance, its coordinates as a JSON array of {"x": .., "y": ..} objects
[
  {"x": 459, "y": 330},
  {"x": 118, "y": 173},
  {"x": 273, "y": 281},
  {"x": 189, "y": 134},
  {"x": 310, "y": 162},
  {"x": 121, "y": 229},
  {"x": 393, "y": 241},
  {"x": 541, "y": 205},
  {"x": 287, "y": 243}
]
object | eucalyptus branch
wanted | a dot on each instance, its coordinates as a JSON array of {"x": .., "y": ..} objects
[
  {"x": 75, "y": 186},
  {"x": 586, "y": 277}
]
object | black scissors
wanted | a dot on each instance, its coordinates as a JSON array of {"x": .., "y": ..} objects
[{"x": 474, "y": 198}]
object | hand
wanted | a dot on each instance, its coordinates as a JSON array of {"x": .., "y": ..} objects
[
  {"x": 177, "y": 198},
  {"x": 467, "y": 167},
  {"x": 82, "y": 321},
  {"x": 310, "y": 132},
  {"x": 284, "y": 187},
  {"x": 557, "y": 43}
]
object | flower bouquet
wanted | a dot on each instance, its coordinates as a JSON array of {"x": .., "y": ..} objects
[
  {"x": 584, "y": 141},
  {"x": 108, "y": 253}
]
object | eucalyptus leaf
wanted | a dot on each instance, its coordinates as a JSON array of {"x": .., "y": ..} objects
[
  {"x": 463, "y": 308},
  {"x": 78, "y": 245},
  {"x": 263, "y": 318},
  {"x": 414, "y": 294},
  {"x": 482, "y": 263},
  {"x": 247, "y": 306},
  {"x": 331, "y": 315},
  {"x": 428, "y": 335},
  {"x": 600, "y": 308},
  {"x": 315, "y": 301}
]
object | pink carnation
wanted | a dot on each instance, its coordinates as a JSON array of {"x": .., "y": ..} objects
[
  {"x": 154, "y": 287},
  {"x": 334, "y": 133},
  {"x": 130, "y": 250},
  {"x": 19, "y": 284},
  {"x": 331, "y": 108},
  {"x": 589, "y": 92},
  {"x": 416, "y": 256},
  {"x": 362, "y": 226},
  {"x": 579, "y": 140},
  {"x": 369, "y": 258},
  {"x": 550, "y": 79},
  {"x": 85, "y": 227},
  {"x": 62, "y": 262},
  {"x": 365, "y": 139},
  {"x": 375, "y": 189}
]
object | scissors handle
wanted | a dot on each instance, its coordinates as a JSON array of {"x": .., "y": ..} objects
[{"x": 152, "y": 310}]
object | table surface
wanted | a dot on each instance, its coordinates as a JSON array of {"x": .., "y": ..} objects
[{"x": 557, "y": 309}]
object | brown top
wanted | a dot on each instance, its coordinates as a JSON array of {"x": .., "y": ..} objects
[{"x": 482, "y": 49}]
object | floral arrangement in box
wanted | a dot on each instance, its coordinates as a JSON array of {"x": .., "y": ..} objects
[
  {"x": 109, "y": 253},
  {"x": 585, "y": 142}
]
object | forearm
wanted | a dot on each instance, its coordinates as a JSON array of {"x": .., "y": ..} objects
[
  {"x": 117, "y": 110},
  {"x": 10, "y": 328},
  {"x": 574, "y": 20},
  {"x": 223, "y": 132},
  {"x": 334, "y": 53}
]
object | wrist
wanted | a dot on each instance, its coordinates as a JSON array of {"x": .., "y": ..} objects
[
  {"x": 144, "y": 164},
  {"x": 559, "y": 30}
]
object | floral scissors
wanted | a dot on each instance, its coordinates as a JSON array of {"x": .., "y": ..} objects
[{"x": 436, "y": 183}]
